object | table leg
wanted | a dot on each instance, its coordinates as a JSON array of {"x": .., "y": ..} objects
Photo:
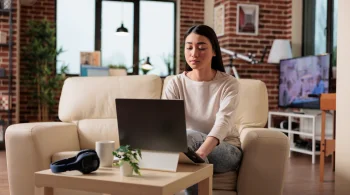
[
  {"x": 322, "y": 155},
  {"x": 205, "y": 187},
  {"x": 48, "y": 191}
]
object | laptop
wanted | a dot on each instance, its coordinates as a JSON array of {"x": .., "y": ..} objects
[{"x": 155, "y": 125}]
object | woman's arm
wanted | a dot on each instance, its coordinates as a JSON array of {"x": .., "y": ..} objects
[
  {"x": 223, "y": 122},
  {"x": 208, "y": 145},
  {"x": 171, "y": 91}
]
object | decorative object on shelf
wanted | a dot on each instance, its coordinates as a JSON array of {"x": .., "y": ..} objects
[
  {"x": 117, "y": 70},
  {"x": 122, "y": 31},
  {"x": 247, "y": 19},
  {"x": 5, "y": 4},
  {"x": 128, "y": 160},
  {"x": 147, "y": 66},
  {"x": 5, "y": 103},
  {"x": 3, "y": 37},
  {"x": 280, "y": 50},
  {"x": 27, "y": 2},
  {"x": 41, "y": 56},
  {"x": 219, "y": 20},
  {"x": 90, "y": 71},
  {"x": 90, "y": 58}
]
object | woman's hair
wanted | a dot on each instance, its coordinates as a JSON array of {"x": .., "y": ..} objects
[{"x": 216, "y": 62}]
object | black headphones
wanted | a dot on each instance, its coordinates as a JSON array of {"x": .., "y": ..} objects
[{"x": 86, "y": 161}]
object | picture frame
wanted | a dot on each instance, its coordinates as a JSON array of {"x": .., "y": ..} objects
[
  {"x": 90, "y": 58},
  {"x": 219, "y": 20},
  {"x": 247, "y": 19}
]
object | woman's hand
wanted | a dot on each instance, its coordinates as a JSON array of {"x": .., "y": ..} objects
[{"x": 208, "y": 146}]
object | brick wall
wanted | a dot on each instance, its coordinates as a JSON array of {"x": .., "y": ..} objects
[
  {"x": 275, "y": 22},
  {"x": 191, "y": 13},
  {"x": 4, "y": 62},
  {"x": 42, "y": 9}
]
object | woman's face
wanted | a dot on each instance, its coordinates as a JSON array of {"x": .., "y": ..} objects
[{"x": 198, "y": 51}]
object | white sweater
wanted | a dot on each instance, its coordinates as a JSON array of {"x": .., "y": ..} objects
[{"x": 209, "y": 105}]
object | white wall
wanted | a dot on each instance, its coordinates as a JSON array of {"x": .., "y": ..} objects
[{"x": 342, "y": 169}]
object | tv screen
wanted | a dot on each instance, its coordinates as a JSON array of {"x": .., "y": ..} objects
[{"x": 302, "y": 80}]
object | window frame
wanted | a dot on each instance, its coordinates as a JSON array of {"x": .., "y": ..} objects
[
  {"x": 136, "y": 37},
  {"x": 329, "y": 27}
]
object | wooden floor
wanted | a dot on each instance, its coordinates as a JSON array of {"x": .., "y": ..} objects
[{"x": 302, "y": 177}]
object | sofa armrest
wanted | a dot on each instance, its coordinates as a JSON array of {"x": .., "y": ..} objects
[
  {"x": 263, "y": 167},
  {"x": 29, "y": 148}
]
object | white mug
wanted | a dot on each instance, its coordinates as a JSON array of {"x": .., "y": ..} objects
[{"x": 104, "y": 150}]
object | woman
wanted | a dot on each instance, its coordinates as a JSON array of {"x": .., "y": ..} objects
[{"x": 210, "y": 97}]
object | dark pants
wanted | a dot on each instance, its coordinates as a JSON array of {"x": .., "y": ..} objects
[{"x": 224, "y": 157}]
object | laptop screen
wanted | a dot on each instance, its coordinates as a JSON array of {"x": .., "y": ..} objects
[{"x": 152, "y": 124}]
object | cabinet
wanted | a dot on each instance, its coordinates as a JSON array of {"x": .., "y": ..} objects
[
  {"x": 290, "y": 132},
  {"x": 6, "y": 15}
]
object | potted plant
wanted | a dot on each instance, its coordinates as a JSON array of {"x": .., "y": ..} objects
[
  {"x": 128, "y": 160},
  {"x": 41, "y": 75},
  {"x": 117, "y": 70},
  {"x": 334, "y": 63},
  {"x": 168, "y": 60}
]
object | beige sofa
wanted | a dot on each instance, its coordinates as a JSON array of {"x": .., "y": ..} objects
[{"x": 87, "y": 109}]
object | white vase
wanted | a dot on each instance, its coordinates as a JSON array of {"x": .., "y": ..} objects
[
  {"x": 126, "y": 169},
  {"x": 117, "y": 72},
  {"x": 334, "y": 72}
]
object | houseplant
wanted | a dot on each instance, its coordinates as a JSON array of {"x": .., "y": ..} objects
[
  {"x": 334, "y": 63},
  {"x": 117, "y": 70},
  {"x": 39, "y": 55},
  {"x": 128, "y": 160},
  {"x": 168, "y": 60}
]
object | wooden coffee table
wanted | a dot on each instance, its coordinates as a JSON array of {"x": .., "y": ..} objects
[{"x": 110, "y": 181}]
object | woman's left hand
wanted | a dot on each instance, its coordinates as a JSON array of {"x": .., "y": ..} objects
[
  {"x": 208, "y": 145},
  {"x": 201, "y": 154}
]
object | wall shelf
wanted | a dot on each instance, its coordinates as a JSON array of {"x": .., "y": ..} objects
[{"x": 8, "y": 121}]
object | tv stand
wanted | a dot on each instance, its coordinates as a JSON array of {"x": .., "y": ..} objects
[{"x": 291, "y": 132}]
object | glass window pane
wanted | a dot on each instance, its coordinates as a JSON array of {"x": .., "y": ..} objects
[
  {"x": 335, "y": 31},
  {"x": 117, "y": 50},
  {"x": 320, "y": 27},
  {"x": 157, "y": 36},
  {"x": 75, "y": 31},
  {"x": 335, "y": 23}
]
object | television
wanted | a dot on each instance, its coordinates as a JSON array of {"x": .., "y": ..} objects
[{"x": 302, "y": 80}]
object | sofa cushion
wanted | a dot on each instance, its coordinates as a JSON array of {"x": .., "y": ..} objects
[
  {"x": 94, "y": 97},
  {"x": 92, "y": 130},
  {"x": 225, "y": 181},
  {"x": 251, "y": 111}
]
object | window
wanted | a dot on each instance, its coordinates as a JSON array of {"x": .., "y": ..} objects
[
  {"x": 75, "y": 31},
  {"x": 90, "y": 25},
  {"x": 157, "y": 41},
  {"x": 117, "y": 50},
  {"x": 319, "y": 26}
]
